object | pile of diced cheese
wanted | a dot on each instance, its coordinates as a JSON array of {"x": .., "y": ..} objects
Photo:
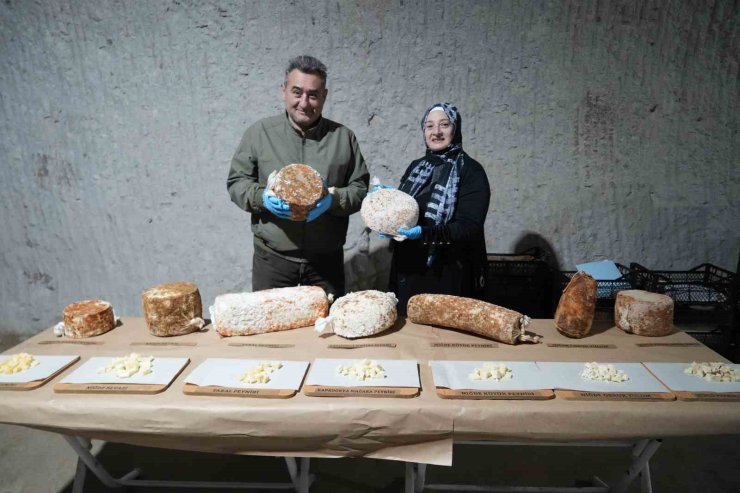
[
  {"x": 603, "y": 373},
  {"x": 17, "y": 363},
  {"x": 713, "y": 371},
  {"x": 261, "y": 372},
  {"x": 128, "y": 366},
  {"x": 362, "y": 370},
  {"x": 491, "y": 371}
]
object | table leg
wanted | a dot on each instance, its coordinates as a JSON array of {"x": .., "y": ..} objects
[
  {"x": 82, "y": 447},
  {"x": 305, "y": 480},
  {"x": 410, "y": 478},
  {"x": 641, "y": 454},
  {"x": 421, "y": 477}
]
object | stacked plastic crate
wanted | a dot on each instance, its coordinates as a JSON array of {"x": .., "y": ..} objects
[
  {"x": 523, "y": 282},
  {"x": 705, "y": 302}
]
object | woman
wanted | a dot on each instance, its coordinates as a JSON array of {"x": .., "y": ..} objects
[{"x": 445, "y": 252}]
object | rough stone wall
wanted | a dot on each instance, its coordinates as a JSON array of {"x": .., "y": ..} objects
[{"x": 608, "y": 130}]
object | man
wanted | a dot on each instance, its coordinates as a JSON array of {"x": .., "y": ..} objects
[{"x": 288, "y": 253}]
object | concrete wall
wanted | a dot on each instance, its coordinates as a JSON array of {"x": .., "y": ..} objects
[{"x": 608, "y": 130}]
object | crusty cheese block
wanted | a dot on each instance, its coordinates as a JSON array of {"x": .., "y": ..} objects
[
  {"x": 361, "y": 314},
  {"x": 88, "y": 318},
  {"x": 388, "y": 209},
  {"x": 644, "y": 313},
  {"x": 469, "y": 315},
  {"x": 172, "y": 309},
  {"x": 270, "y": 310},
  {"x": 577, "y": 306},
  {"x": 300, "y": 186}
]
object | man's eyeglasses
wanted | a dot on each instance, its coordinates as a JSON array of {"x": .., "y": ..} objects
[{"x": 442, "y": 126}]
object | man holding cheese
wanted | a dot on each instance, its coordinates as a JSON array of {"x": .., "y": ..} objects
[{"x": 286, "y": 252}]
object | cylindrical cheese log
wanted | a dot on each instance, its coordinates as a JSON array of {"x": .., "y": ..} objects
[
  {"x": 577, "y": 306},
  {"x": 270, "y": 310},
  {"x": 172, "y": 309},
  {"x": 88, "y": 318},
  {"x": 387, "y": 210},
  {"x": 300, "y": 186},
  {"x": 644, "y": 313},
  {"x": 360, "y": 314},
  {"x": 470, "y": 315}
]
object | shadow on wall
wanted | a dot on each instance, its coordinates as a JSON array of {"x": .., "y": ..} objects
[
  {"x": 368, "y": 266},
  {"x": 530, "y": 240}
]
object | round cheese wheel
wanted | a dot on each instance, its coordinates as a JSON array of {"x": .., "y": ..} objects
[
  {"x": 388, "y": 209},
  {"x": 172, "y": 309},
  {"x": 644, "y": 313},
  {"x": 363, "y": 313},
  {"x": 300, "y": 186},
  {"x": 577, "y": 306},
  {"x": 88, "y": 318}
]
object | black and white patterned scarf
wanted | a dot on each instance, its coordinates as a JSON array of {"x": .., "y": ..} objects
[{"x": 441, "y": 205}]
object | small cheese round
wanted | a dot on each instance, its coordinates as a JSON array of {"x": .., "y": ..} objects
[
  {"x": 388, "y": 209},
  {"x": 172, "y": 309},
  {"x": 300, "y": 186},
  {"x": 88, "y": 318},
  {"x": 643, "y": 313}
]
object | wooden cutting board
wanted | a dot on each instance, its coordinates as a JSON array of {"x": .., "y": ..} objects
[
  {"x": 218, "y": 391},
  {"x": 116, "y": 388},
  {"x": 542, "y": 394},
  {"x": 581, "y": 395},
  {"x": 332, "y": 391},
  {"x": 35, "y": 383}
]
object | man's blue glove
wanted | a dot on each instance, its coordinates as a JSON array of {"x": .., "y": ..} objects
[
  {"x": 411, "y": 233},
  {"x": 321, "y": 206},
  {"x": 276, "y": 205}
]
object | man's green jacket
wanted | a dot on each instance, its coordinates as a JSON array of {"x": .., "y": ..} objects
[{"x": 331, "y": 149}]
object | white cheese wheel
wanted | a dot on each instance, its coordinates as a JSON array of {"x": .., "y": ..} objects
[
  {"x": 270, "y": 310},
  {"x": 643, "y": 313},
  {"x": 388, "y": 209},
  {"x": 361, "y": 314}
]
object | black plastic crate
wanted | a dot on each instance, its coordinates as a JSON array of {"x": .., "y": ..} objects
[
  {"x": 705, "y": 293},
  {"x": 606, "y": 290},
  {"x": 705, "y": 284},
  {"x": 521, "y": 281}
]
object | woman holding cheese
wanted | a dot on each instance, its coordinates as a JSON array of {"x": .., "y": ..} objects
[{"x": 445, "y": 253}]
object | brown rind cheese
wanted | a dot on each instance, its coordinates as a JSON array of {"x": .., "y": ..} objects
[
  {"x": 88, "y": 318},
  {"x": 172, "y": 309},
  {"x": 300, "y": 186},
  {"x": 644, "y": 313},
  {"x": 577, "y": 306},
  {"x": 469, "y": 315},
  {"x": 387, "y": 210}
]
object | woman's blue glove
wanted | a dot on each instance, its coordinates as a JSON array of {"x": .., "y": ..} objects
[
  {"x": 411, "y": 233},
  {"x": 375, "y": 188},
  {"x": 321, "y": 206},
  {"x": 276, "y": 205}
]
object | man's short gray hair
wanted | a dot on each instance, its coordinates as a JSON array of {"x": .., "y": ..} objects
[{"x": 308, "y": 65}]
